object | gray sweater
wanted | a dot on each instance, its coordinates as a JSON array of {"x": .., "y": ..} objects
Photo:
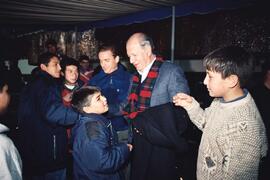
[{"x": 233, "y": 140}]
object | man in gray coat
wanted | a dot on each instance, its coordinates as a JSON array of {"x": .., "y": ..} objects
[{"x": 154, "y": 83}]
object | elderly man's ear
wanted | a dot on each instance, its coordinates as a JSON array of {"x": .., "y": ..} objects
[
  {"x": 117, "y": 58},
  {"x": 148, "y": 50}
]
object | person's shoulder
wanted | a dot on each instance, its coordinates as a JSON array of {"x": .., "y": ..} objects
[
  {"x": 96, "y": 78},
  {"x": 169, "y": 69},
  {"x": 92, "y": 129},
  {"x": 167, "y": 65},
  {"x": 97, "y": 118},
  {"x": 46, "y": 79},
  {"x": 244, "y": 108},
  {"x": 122, "y": 73},
  {"x": 95, "y": 125},
  {"x": 37, "y": 84},
  {"x": 5, "y": 143}
]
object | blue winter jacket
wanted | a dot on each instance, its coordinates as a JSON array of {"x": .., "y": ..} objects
[
  {"x": 97, "y": 154},
  {"x": 114, "y": 87},
  {"x": 42, "y": 118}
]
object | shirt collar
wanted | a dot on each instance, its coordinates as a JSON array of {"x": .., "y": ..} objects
[
  {"x": 146, "y": 71},
  {"x": 70, "y": 87},
  {"x": 237, "y": 99}
]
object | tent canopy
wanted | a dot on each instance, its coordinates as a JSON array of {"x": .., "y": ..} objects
[
  {"x": 102, "y": 13},
  {"x": 73, "y": 11}
]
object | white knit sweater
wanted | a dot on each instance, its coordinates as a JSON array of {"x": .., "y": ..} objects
[
  {"x": 233, "y": 140},
  {"x": 10, "y": 161}
]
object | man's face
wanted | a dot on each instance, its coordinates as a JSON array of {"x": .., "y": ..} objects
[
  {"x": 138, "y": 56},
  {"x": 4, "y": 99},
  {"x": 53, "y": 68},
  {"x": 71, "y": 74},
  {"x": 108, "y": 62}
]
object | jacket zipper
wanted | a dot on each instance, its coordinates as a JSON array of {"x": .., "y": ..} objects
[{"x": 54, "y": 147}]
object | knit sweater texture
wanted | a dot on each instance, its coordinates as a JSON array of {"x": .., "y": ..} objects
[{"x": 233, "y": 140}]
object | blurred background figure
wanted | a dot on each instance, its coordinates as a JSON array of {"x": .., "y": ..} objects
[
  {"x": 51, "y": 46},
  {"x": 10, "y": 160},
  {"x": 13, "y": 77},
  {"x": 14, "y": 80},
  {"x": 86, "y": 68},
  {"x": 261, "y": 95}
]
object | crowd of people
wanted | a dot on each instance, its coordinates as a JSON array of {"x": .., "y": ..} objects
[{"x": 77, "y": 123}]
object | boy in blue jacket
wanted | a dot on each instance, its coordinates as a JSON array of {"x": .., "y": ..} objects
[{"x": 96, "y": 151}]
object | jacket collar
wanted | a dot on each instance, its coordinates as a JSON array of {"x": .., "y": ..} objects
[{"x": 96, "y": 117}]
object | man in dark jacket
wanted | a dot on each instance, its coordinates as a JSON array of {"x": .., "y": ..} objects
[{"x": 42, "y": 120}]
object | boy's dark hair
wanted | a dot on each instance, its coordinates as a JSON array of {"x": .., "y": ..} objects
[
  {"x": 82, "y": 97},
  {"x": 108, "y": 47},
  {"x": 45, "y": 58},
  {"x": 231, "y": 60},
  {"x": 84, "y": 57},
  {"x": 51, "y": 42},
  {"x": 68, "y": 61}
]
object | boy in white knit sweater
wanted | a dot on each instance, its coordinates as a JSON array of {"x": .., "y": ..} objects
[{"x": 234, "y": 138}]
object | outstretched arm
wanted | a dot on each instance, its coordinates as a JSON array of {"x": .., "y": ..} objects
[
  {"x": 53, "y": 109},
  {"x": 196, "y": 114}
]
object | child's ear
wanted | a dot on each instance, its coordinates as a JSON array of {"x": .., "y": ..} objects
[
  {"x": 86, "y": 109},
  {"x": 232, "y": 80},
  {"x": 43, "y": 67}
]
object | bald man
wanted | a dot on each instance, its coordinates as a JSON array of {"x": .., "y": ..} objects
[{"x": 154, "y": 84}]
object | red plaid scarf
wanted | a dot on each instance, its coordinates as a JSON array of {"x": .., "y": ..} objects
[{"x": 140, "y": 94}]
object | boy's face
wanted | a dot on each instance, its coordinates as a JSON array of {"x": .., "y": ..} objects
[
  {"x": 4, "y": 99},
  {"x": 216, "y": 85},
  {"x": 71, "y": 74},
  {"x": 98, "y": 104},
  {"x": 53, "y": 68},
  {"x": 107, "y": 61}
]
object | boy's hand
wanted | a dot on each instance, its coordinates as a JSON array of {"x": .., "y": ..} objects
[
  {"x": 130, "y": 147},
  {"x": 181, "y": 99}
]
